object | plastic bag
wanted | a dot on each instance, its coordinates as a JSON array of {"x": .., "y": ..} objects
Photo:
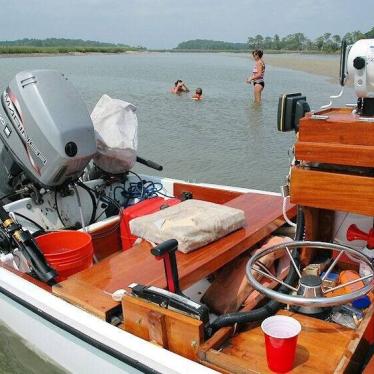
[{"x": 116, "y": 131}]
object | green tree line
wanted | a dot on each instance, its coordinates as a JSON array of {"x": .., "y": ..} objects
[
  {"x": 211, "y": 45},
  {"x": 61, "y": 45},
  {"x": 326, "y": 43}
]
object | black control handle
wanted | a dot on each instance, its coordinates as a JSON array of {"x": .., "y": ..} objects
[
  {"x": 166, "y": 251},
  {"x": 168, "y": 246},
  {"x": 149, "y": 163}
]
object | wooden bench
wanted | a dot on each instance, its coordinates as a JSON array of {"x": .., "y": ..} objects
[{"x": 263, "y": 216}]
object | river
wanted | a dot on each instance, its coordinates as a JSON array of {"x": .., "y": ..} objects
[{"x": 224, "y": 138}]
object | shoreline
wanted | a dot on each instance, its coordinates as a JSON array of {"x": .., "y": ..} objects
[
  {"x": 71, "y": 54},
  {"x": 328, "y": 67},
  {"x": 319, "y": 64}
]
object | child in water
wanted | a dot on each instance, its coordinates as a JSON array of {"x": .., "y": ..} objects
[{"x": 198, "y": 94}]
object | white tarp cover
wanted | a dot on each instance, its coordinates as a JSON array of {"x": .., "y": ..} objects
[
  {"x": 116, "y": 128},
  {"x": 194, "y": 223}
]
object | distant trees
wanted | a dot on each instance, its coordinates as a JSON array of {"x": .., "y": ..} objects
[
  {"x": 326, "y": 43},
  {"x": 212, "y": 45},
  {"x": 370, "y": 34},
  {"x": 296, "y": 42},
  {"x": 61, "y": 45},
  {"x": 59, "y": 42},
  {"x": 299, "y": 42}
]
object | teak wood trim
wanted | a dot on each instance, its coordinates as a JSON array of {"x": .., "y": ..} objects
[
  {"x": 179, "y": 333},
  {"x": 213, "y": 195},
  {"x": 369, "y": 369},
  {"x": 89, "y": 298},
  {"x": 157, "y": 328},
  {"x": 340, "y": 128},
  {"x": 331, "y": 153},
  {"x": 334, "y": 191},
  {"x": 227, "y": 363}
]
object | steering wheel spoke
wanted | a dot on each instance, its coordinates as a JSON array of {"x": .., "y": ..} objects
[
  {"x": 293, "y": 262},
  {"x": 310, "y": 290},
  {"x": 267, "y": 275},
  {"x": 332, "y": 289},
  {"x": 327, "y": 272}
]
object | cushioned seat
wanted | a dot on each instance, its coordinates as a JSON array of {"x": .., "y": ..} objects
[{"x": 193, "y": 223}]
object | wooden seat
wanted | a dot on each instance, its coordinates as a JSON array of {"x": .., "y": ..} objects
[{"x": 263, "y": 216}]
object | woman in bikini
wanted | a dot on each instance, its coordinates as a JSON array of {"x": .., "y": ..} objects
[{"x": 257, "y": 77}]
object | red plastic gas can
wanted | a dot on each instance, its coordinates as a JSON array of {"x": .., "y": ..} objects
[{"x": 143, "y": 208}]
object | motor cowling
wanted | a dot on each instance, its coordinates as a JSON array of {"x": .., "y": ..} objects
[{"x": 45, "y": 128}]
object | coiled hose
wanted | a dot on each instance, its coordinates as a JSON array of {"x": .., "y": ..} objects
[{"x": 271, "y": 306}]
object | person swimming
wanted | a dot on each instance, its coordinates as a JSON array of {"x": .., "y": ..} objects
[
  {"x": 198, "y": 94},
  {"x": 179, "y": 87},
  {"x": 257, "y": 77}
]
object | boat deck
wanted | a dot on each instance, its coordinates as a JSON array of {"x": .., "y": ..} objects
[
  {"x": 322, "y": 347},
  {"x": 91, "y": 289}
]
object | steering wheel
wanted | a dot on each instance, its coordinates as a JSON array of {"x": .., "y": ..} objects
[{"x": 310, "y": 291}]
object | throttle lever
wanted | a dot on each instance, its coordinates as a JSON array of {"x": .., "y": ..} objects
[{"x": 166, "y": 251}]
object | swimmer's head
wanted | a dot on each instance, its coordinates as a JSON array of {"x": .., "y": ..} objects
[
  {"x": 177, "y": 82},
  {"x": 257, "y": 53},
  {"x": 199, "y": 91}
]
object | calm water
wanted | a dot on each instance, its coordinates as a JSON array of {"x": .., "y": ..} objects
[
  {"x": 223, "y": 139},
  {"x": 16, "y": 357}
]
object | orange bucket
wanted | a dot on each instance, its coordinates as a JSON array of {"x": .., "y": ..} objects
[{"x": 68, "y": 252}]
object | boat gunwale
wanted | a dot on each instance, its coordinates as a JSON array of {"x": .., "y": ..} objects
[{"x": 93, "y": 330}]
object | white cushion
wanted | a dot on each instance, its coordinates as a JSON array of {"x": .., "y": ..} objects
[{"x": 194, "y": 223}]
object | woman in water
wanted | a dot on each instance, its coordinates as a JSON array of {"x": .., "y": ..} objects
[{"x": 257, "y": 77}]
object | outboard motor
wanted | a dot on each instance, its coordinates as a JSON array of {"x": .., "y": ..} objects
[{"x": 47, "y": 134}]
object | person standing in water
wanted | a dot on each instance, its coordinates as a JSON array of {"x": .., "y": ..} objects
[{"x": 257, "y": 77}]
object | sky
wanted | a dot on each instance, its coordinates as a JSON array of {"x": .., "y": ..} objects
[{"x": 158, "y": 24}]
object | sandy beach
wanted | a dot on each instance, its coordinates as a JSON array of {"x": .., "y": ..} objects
[{"x": 315, "y": 64}]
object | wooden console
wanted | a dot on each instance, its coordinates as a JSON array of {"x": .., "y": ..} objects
[{"x": 336, "y": 156}]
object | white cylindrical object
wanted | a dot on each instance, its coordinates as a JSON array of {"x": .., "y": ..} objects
[{"x": 363, "y": 78}]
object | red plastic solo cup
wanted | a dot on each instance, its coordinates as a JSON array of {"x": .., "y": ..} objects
[{"x": 281, "y": 334}]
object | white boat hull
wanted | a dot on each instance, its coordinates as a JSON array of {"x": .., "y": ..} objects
[{"x": 76, "y": 340}]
